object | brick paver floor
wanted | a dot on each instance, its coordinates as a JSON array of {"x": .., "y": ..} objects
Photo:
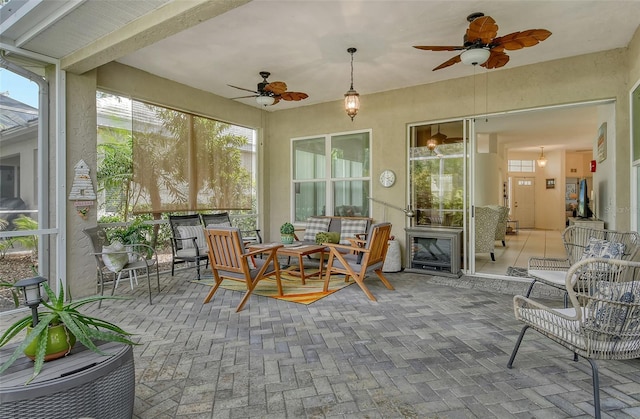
[{"x": 433, "y": 348}]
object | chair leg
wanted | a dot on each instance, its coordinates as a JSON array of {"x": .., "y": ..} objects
[
  {"x": 515, "y": 348},
  {"x": 149, "y": 283},
  {"x": 596, "y": 388},
  {"x": 530, "y": 288},
  {"x": 384, "y": 279},
  {"x": 198, "y": 269},
  {"x": 493, "y": 256},
  {"x": 213, "y": 289},
  {"x": 504, "y": 244},
  {"x": 173, "y": 266}
]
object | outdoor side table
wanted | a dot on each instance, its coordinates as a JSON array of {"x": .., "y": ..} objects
[{"x": 82, "y": 384}]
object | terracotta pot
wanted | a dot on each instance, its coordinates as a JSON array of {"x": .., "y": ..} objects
[{"x": 59, "y": 343}]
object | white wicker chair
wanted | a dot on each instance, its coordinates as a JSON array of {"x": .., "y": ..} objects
[
  {"x": 550, "y": 271},
  {"x": 603, "y": 321}
]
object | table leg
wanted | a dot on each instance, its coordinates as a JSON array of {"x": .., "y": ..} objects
[
  {"x": 321, "y": 263},
  {"x": 302, "y": 277}
]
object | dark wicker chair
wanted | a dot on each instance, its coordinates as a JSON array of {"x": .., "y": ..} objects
[
  {"x": 222, "y": 219},
  {"x": 188, "y": 244}
]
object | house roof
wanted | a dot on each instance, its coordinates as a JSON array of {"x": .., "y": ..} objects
[{"x": 15, "y": 115}]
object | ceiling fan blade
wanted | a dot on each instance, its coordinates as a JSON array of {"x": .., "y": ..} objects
[
  {"x": 439, "y": 48},
  {"x": 483, "y": 28},
  {"x": 276, "y": 87},
  {"x": 496, "y": 59},
  {"x": 244, "y": 97},
  {"x": 242, "y": 88},
  {"x": 448, "y": 63},
  {"x": 293, "y": 96},
  {"x": 519, "y": 40}
]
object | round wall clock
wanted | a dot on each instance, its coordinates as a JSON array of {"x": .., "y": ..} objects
[{"x": 387, "y": 178}]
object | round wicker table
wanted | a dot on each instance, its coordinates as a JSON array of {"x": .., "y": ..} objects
[{"x": 82, "y": 384}]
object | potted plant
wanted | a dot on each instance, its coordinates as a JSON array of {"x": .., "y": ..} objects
[
  {"x": 133, "y": 233},
  {"x": 287, "y": 233},
  {"x": 57, "y": 329}
]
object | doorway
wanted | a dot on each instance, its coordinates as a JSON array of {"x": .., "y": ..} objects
[{"x": 524, "y": 200}]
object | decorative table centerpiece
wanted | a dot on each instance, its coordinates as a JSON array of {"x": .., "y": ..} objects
[{"x": 287, "y": 233}]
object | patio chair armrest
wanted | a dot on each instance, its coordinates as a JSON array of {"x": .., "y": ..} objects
[
  {"x": 262, "y": 250},
  {"x": 345, "y": 247},
  {"x": 521, "y": 303},
  {"x": 549, "y": 264}
]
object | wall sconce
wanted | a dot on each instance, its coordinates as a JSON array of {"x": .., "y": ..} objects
[
  {"x": 351, "y": 98},
  {"x": 30, "y": 288},
  {"x": 542, "y": 160}
]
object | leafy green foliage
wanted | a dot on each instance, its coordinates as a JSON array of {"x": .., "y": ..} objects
[
  {"x": 85, "y": 328},
  {"x": 287, "y": 228}
]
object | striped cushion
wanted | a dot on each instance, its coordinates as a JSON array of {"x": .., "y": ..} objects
[
  {"x": 191, "y": 231},
  {"x": 349, "y": 229},
  {"x": 314, "y": 226}
]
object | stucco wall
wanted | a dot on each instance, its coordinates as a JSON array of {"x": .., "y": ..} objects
[
  {"x": 583, "y": 78},
  {"x": 81, "y": 144},
  {"x": 589, "y": 77}
]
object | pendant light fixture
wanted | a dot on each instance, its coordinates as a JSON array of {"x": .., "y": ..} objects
[
  {"x": 542, "y": 160},
  {"x": 352, "y": 98}
]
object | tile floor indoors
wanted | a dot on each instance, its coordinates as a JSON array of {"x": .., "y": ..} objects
[{"x": 433, "y": 348}]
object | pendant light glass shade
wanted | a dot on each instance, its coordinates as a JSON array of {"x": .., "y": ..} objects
[
  {"x": 542, "y": 160},
  {"x": 351, "y": 98}
]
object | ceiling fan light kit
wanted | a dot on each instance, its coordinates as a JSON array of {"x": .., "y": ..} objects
[
  {"x": 475, "y": 56},
  {"x": 482, "y": 45},
  {"x": 265, "y": 100},
  {"x": 351, "y": 98},
  {"x": 270, "y": 93}
]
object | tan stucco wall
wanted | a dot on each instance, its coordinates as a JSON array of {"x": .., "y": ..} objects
[
  {"x": 81, "y": 144},
  {"x": 583, "y": 78},
  {"x": 602, "y": 75}
]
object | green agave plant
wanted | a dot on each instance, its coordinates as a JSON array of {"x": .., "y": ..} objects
[{"x": 85, "y": 328}]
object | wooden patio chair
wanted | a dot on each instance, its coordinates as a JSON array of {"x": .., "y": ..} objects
[
  {"x": 603, "y": 321},
  {"x": 576, "y": 239},
  {"x": 359, "y": 260},
  {"x": 138, "y": 257},
  {"x": 230, "y": 260},
  {"x": 188, "y": 244}
]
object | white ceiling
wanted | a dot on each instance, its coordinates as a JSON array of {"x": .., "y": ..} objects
[{"x": 304, "y": 43}]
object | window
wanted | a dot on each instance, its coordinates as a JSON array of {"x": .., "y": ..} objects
[
  {"x": 154, "y": 159},
  {"x": 436, "y": 163},
  {"x": 27, "y": 214},
  {"x": 522, "y": 166},
  {"x": 331, "y": 175}
]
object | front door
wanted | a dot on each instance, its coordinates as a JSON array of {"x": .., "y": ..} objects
[{"x": 524, "y": 202}]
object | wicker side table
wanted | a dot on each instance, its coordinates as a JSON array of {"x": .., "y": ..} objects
[{"x": 82, "y": 384}]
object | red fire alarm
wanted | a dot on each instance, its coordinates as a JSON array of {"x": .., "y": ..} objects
[{"x": 593, "y": 166}]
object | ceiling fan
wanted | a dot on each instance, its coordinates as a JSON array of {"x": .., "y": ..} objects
[
  {"x": 481, "y": 46},
  {"x": 270, "y": 93}
]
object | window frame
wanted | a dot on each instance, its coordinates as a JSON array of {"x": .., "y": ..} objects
[{"x": 328, "y": 179}]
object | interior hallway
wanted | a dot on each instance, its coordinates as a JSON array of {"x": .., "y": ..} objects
[{"x": 519, "y": 248}]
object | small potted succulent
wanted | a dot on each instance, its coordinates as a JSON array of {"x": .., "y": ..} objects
[
  {"x": 287, "y": 233},
  {"x": 51, "y": 334}
]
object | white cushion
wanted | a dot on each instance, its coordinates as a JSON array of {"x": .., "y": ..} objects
[
  {"x": 314, "y": 226},
  {"x": 191, "y": 231},
  {"x": 349, "y": 229},
  {"x": 599, "y": 248},
  {"x": 114, "y": 256}
]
